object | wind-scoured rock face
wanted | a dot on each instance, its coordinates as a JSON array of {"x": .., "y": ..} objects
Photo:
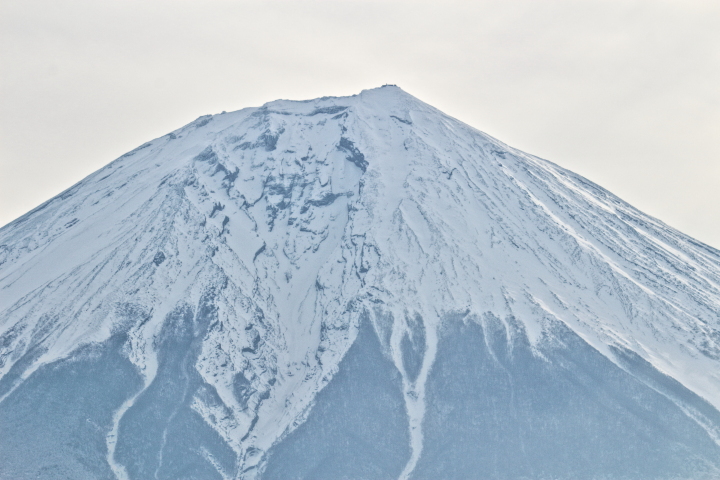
[{"x": 355, "y": 287}]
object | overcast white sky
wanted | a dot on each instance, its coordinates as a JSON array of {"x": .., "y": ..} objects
[{"x": 626, "y": 93}]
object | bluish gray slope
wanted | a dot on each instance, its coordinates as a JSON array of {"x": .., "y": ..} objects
[
  {"x": 498, "y": 410},
  {"x": 357, "y": 427},
  {"x": 54, "y": 425}
]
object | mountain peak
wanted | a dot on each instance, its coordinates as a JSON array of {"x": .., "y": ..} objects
[
  {"x": 386, "y": 97},
  {"x": 357, "y": 287}
]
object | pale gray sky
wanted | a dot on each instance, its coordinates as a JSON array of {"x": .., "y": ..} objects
[{"x": 626, "y": 93}]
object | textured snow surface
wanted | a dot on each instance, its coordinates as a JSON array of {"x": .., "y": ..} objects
[{"x": 198, "y": 294}]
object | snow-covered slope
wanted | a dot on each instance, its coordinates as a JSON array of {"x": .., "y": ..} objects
[{"x": 357, "y": 287}]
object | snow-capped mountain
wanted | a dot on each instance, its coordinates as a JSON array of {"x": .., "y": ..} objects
[{"x": 353, "y": 287}]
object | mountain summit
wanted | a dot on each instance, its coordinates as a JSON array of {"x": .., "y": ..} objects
[{"x": 352, "y": 287}]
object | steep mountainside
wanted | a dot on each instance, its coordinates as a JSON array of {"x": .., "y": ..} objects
[{"x": 354, "y": 287}]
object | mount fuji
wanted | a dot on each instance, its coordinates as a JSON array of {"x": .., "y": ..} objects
[{"x": 352, "y": 288}]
